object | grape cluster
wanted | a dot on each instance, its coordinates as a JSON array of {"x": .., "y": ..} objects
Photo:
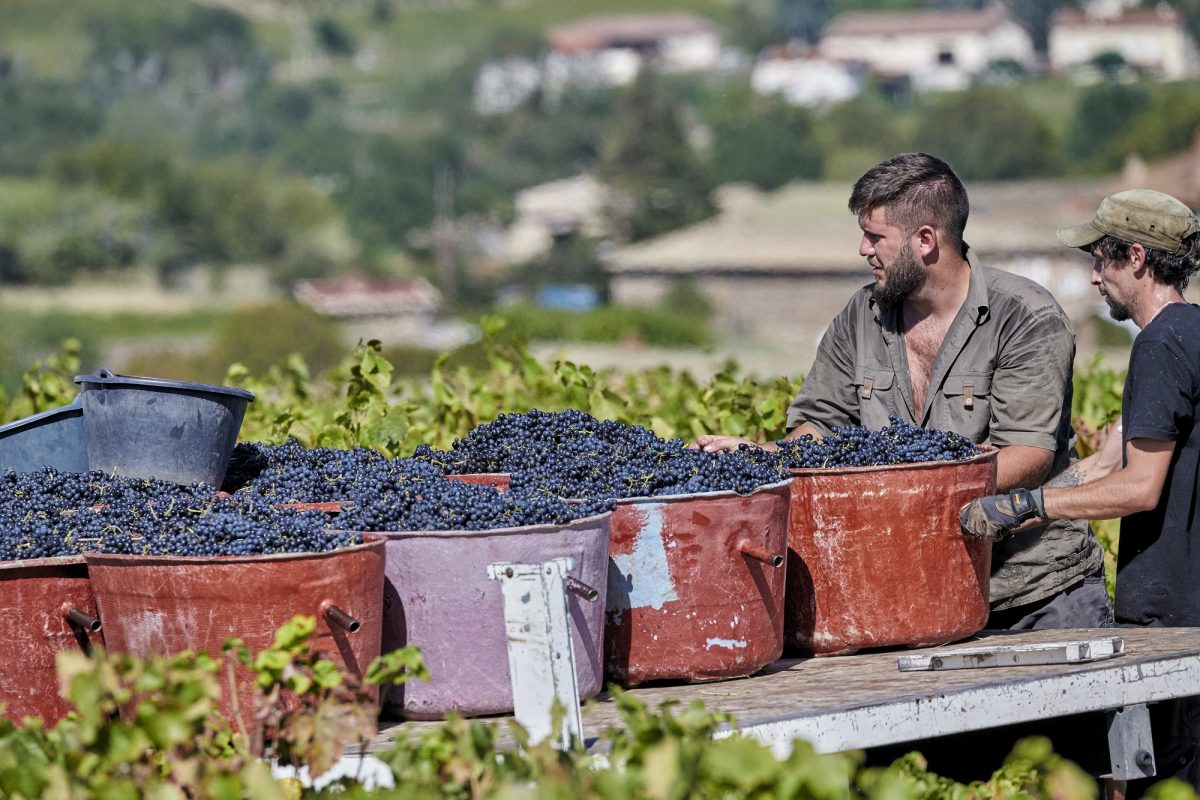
[
  {"x": 572, "y": 454},
  {"x": 382, "y": 494},
  {"x": 457, "y": 506},
  {"x": 900, "y": 442},
  {"x": 292, "y": 473},
  {"x": 47, "y": 514}
]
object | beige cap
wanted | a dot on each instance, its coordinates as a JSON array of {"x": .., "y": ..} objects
[{"x": 1150, "y": 218}]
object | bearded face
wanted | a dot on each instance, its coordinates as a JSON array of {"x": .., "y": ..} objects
[{"x": 900, "y": 278}]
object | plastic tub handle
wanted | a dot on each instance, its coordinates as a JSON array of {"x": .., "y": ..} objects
[
  {"x": 81, "y": 618},
  {"x": 339, "y": 617},
  {"x": 753, "y": 550},
  {"x": 582, "y": 589}
]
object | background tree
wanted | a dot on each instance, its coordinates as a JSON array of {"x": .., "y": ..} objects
[
  {"x": 988, "y": 133},
  {"x": 763, "y": 140},
  {"x": 1105, "y": 112},
  {"x": 649, "y": 161},
  {"x": 1169, "y": 124}
]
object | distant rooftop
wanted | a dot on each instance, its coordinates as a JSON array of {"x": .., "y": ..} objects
[
  {"x": 625, "y": 30},
  {"x": 364, "y": 297},
  {"x": 1160, "y": 16},
  {"x": 894, "y": 23}
]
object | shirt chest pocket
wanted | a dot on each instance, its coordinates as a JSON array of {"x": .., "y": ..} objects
[
  {"x": 876, "y": 391},
  {"x": 967, "y": 399}
]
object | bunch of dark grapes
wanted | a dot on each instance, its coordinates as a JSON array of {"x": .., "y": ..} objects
[
  {"x": 457, "y": 506},
  {"x": 855, "y": 446},
  {"x": 382, "y": 494},
  {"x": 237, "y": 531},
  {"x": 571, "y": 454},
  {"x": 292, "y": 473},
  {"x": 47, "y": 514}
]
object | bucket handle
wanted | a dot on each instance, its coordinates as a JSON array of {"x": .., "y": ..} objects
[
  {"x": 754, "y": 551},
  {"x": 81, "y": 618},
  {"x": 580, "y": 588},
  {"x": 339, "y": 617}
]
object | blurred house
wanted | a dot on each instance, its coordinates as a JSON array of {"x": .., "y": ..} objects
[
  {"x": 803, "y": 77},
  {"x": 385, "y": 309},
  {"x": 551, "y": 211},
  {"x": 610, "y": 50},
  {"x": 1151, "y": 39},
  {"x": 934, "y": 49},
  {"x": 503, "y": 86},
  {"x": 779, "y": 267}
]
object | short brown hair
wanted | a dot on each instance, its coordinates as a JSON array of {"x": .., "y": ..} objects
[{"x": 916, "y": 189}]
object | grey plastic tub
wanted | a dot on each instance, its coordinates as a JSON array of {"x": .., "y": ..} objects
[
  {"x": 53, "y": 438},
  {"x": 154, "y": 428}
]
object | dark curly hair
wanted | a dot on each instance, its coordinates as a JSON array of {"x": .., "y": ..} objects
[{"x": 1170, "y": 270}]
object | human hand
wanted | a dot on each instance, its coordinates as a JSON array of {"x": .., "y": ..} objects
[
  {"x": 717, "y": 443},
  {"x": 999, "y": 515}
]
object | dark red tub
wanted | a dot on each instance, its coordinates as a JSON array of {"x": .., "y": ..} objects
[
  {"x": 48, "y": 608},
  {"x": 695, "y": 586},
  {"x": 161, "y": 605},
  {"x": 877, "y": 556}
]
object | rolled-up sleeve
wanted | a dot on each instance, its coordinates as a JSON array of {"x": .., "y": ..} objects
[
  {"x": 1030, "y": 383},
  {"x": 827, "y": 398}
]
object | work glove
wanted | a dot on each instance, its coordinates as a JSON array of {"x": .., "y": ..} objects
[{"x": 995, "y": 516}]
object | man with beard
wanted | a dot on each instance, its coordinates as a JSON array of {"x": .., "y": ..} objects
[
  {"x": 1145, "y": 246},
  {"x": 942, "y": 341}
]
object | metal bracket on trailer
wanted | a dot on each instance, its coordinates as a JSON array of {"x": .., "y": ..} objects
[
  {"x": 541, "y": 658},
  {"x": 1073, "y": 652},
  {"x": 1130, "y": 745}
]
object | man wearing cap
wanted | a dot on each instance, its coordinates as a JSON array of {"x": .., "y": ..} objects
[
  {"x": 946, "y": 342},
  {"x": 1145, "y": 245}
]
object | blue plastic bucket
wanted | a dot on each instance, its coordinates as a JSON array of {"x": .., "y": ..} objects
[
  {"x": 53, "y": 438},
  {"x": 154, "y": 428}
]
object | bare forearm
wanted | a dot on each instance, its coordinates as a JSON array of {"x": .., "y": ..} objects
[
  {"x": 1020, "y": 466},
  {"x": 1086, "y": 470},
  {"x": 1117, "y": 494},
  {"x": 1092, "y": 489}
]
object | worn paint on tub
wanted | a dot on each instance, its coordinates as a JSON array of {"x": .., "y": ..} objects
[
  {"x": 690, "y": 594},
  {"x": 648, "y": 562}
]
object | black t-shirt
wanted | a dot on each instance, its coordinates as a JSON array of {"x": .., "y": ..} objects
[{"x": 1158, "y": 561}]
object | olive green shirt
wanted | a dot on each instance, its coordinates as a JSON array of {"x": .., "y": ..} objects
[{"x": 1002, "y": 377}]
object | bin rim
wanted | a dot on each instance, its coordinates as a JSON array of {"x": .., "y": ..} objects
[
  {"x": 543, "y": 528},
  {"x": 15, "y": 564},
  {"x": 73, "y": 409},
  {"x": 984, "y": 454},
  {"x": 106, "y": 377},
  {"x": 371, "y": 541},
  {"x": 674, "y": 498}
]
